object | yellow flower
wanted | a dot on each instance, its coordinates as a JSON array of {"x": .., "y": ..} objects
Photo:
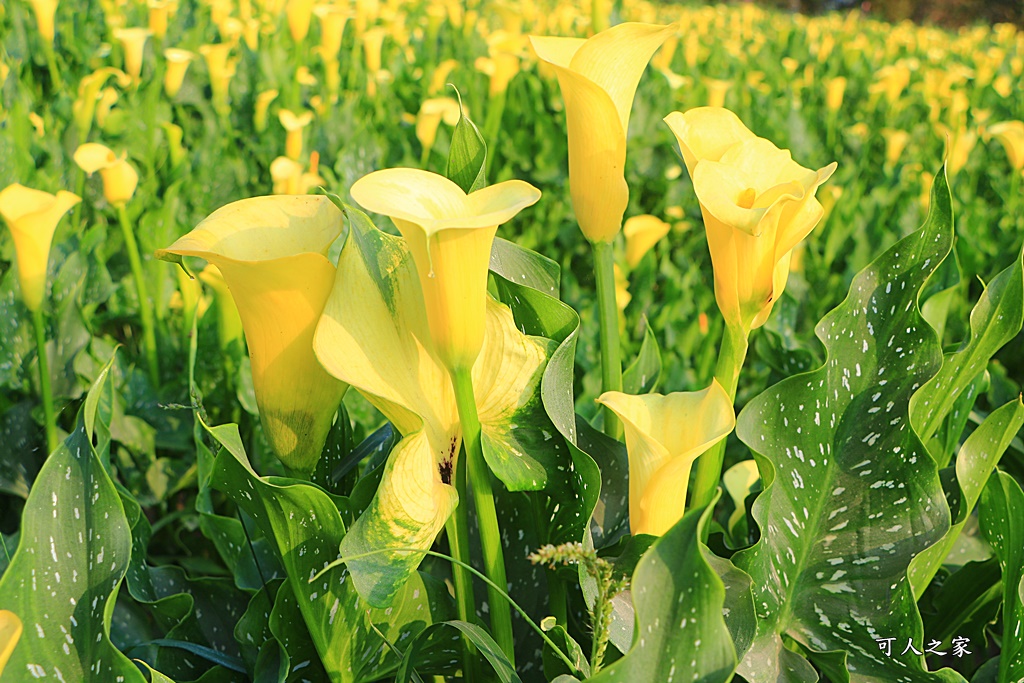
[
  {"x": 450, "y": 235},
  {"x": 294, "y": 124},
  {"x": 84, "y": 107},
  {"x": 431, "y": 113},
  {"x": 290, "y": 177},
  {"x": 895, "y": 143},
  {"x": 332, "y": 29},
  {"x": 1003, "y": 85},
  {"x": 757, "y": 205},
  {"x": 159, "y": 11},
  {"x": 1011, "y": 135},
  {"x": 959, "y": 143},
  {"x": 32, "y": 217},
  {"x": 717, "y": 90},
  {"x": 37, "y": 122},
  {"x": 133, "y": 43},
  {"x": 598, "y": 78},
  {"x": 177, "y": 65},
  {"x": 439, "y": 78},
  {"x": 45, "y": 11},
  {"x": 221, "y": 69},
  {"x": 272, "y": 252},
  {"x": 500, "y": 68},
  {"x": 738, "y": 481},
  {"x": 119, "y": 176},
  {"x": 664, "y": 436},
  {"x": 835, "y": 88},
  {"x": 259, "y": 117},
  {"x": 10, "y": 633},
  {"x": 642, "y": 233},
  {"x": 299, "y": 13}
]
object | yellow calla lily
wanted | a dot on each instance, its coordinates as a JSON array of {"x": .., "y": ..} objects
[
  {"x": 835, "y": 89},
  {"x": 598, "y": 78},
  {"x": 375, "y": 335},
  {"x": 159, "y": 12},
  {"x": 450, "y": 234},
  {"x": 757, "y": 203},
  {"x": 299, "y": 12},
  {"x": 84, "y": 107},
  {"x": 717, "y": 90},
  {"x": 45, "y": 12},
  {"x": 271, "y": 252},
  {"x": 290, "y": 177},
  {"x": 895, "y": 142},
  {"x": 1011, "y": 135},
  {"x": 10, "y": 633},
  {"x": 439, "y": 78},
  {"x": 32, "y": 217},
  {"x": 221, "y": 69},
  {"x": 259, "y": 117},
  {"x": 177, "y": 64},
  {"x": 332, "y": 28},
  {"x": 133, "y": 43},
  {"x": 738, "y": 480},
  {"x": 432, "y": 112},
  {"x": 294, "y": 124},
  {"x": 642, "y": 233},
  {"x": 373, "y": 43},
  {"x": 664, "y": 436},
  {"x": 119, "y": 177}
]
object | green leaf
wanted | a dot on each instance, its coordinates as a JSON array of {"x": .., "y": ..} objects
[
  {"x": 1002, "y": 521},
  {"x": 524, "y": 267},
  {"x": 467, "y": 156},
  {"x": 975, "y": 462},
  {"x": 74, "y": 549},
  {"x": 995, "y": 320},
  {"x": 643, "y": 374},
  {"x": 476, "y": 635},
  {"x": 853, "y": 494},
  {"x": 681, "y": 633},
  {"x": 307, "y": 528}
]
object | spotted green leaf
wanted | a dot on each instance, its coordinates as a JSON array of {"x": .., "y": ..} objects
[
  {"x": 1002, "y": 520},
  {"x": 854, "y": 495}
]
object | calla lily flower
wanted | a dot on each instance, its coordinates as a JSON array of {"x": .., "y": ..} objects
[
  {"x": 375, "y": 335},
  {"x": 84, "y": 107},
  {"x": 642, "y": 233},
  {"x": 598, "y": 78},
  {"x": 664, "y": 436},
  {"x": 432, "y": 112},
  {"x": 373, "y": 43},
  {"x": 1011, "y": 135},
  {"x": 290, "y": 177},
  {"x": 10, "y": 633},
  {"x": 32, "y": 217},
  {"x": 159, "y": 12},
  {"x": 895, "y": 142},
  {"x": 738, "y": 481},
  {"x": 271, "y": 252},
  {"x": 133, "y": 43},
  {"x": 119, "y": 177},
  {"x": 221, "y": 69},
  {"x": 449, "y": 233},
  {"x": 757, "y": 203},
  {"x": 332, "y": 29},
  {"x": 45, "y": 12},
  {"x": 259, "y": 117},
  {"x": 835, "y": 89},
  {"x": 294, "y": 124},
  {"x": 717, "y": 90},
  {"x": 177, "y": 64},
  {"x": 299, "y": 13}
]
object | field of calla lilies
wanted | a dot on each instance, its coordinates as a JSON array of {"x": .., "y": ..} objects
[{"x": 509, "y": 340}]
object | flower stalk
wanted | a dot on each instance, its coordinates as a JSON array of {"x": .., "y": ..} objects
[
  {"x": 145, "y": 305},
  {"x": 44, "y": 380},
  {"x": 608, "y": 316},
  {"x": 479, "y": 482},
  {"x": 457, "y": 530}
]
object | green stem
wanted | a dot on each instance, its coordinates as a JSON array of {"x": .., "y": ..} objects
[
  {"x": 44, "y": 380},
  {"x": 56, "y": 82},
  {"x": 608, "y": 315},
  {"x": 457, "y": 529},
  {"x": 76, "y": 216},
  {"x": 709, "y": 466},
  {"x": 1013, "y": 203},
  {"x": 479, "y": 481},
  {"x": 145, "y": 305},
  {"x": 492, "y": 127}
]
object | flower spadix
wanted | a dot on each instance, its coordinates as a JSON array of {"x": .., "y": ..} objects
[
  {"x": 757, "y": 203},
  {"x": 449, "y": 234},
  {"x": 598, "y": 78},
  {"x": 32, "y": 216},
  {"x": 271, "y": 252},
  {"x": 375, "y": 336},
  {"x": 664, "y": 435}
]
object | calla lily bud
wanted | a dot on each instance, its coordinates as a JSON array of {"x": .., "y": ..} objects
[
  {"x": 133, "y": 42},
  {"x": 119, "y": 177},
  {"x": 259, "y": 117},
  {"x": 1011, "y": 135},
  {"x": 32, "y": 217},
  {"x": 449, "y": 234},
  {"x": 664, "y": 436},
  {"x": 642, "y": 233},
  {"x": 294, "y": 124},
  {"x": 10, "y": 633},
  {"x": 279, "y": 299},
  {"x": 45, "y": 12},
  {"x": 757, "y": 203},
  {"x": 174, "y": 135},
  {"x": 598, "y": 78},
  {"x": 177, "y": 65}
]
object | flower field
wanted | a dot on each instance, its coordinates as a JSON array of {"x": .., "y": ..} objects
[{"x": 393, "y": 340}]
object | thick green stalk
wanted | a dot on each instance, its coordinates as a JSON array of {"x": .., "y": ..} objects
[
  {"x": 56, "y": 82},
  {"x": 457, "y": 530},
  {"x": 145, "y": 305},
  {"x": 479, "y": 482},
  {"x": 44, "y": 380},
  {"x": 709, "y": 466},
  {"x": 608, "y": 315}
]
